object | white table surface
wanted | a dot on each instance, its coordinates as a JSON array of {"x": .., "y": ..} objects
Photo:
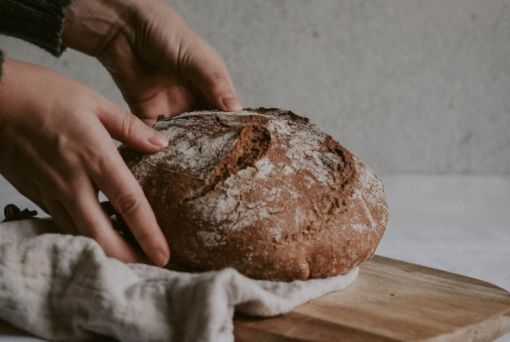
[{"x": 456, "y": 223}]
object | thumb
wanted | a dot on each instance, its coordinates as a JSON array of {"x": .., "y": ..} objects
[
  {"x": 130, "y": 130},
  {"x": 208, "y": 73}
]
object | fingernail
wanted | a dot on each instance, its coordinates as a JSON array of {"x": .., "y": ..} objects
[
  {"x": 231, "y": 103},
  {"x": 158, "y": 140},
  {"x": 160, "y": 258}
]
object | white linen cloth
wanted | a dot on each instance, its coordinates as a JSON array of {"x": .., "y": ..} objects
[{"x": 63, "y": 287}]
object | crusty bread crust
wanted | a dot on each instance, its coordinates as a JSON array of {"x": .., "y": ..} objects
[{"x": 263, "y": 191}]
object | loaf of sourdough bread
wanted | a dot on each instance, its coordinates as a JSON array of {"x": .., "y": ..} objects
[{"x": 263, "y": 191}]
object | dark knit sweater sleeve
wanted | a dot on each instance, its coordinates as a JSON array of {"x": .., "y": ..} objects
[{"x": 37, "y": 21}]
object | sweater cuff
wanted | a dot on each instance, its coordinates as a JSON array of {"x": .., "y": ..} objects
[{"x": 37, "y": 21}]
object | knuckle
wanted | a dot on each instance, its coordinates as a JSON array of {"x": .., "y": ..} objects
[
  {"x": 184, "y": 55},
  {"x": 62, "y": 143},
  {"x": 128, "y": 125},
  {"x": 128, "y": 203},
  {"x": 94, "y": 161}
]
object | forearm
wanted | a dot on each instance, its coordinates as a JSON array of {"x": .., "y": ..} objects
[{"x": 37, "y": 21}]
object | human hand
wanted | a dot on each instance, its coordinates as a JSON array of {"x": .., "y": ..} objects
[
  {"x": 56, "y": 149},
  {"x": 160, "y": 65}
]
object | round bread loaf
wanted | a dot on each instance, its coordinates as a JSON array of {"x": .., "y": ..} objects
[{"x": 263, "y": 191}]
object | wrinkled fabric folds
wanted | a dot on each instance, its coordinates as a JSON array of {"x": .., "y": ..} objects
[{"x": 63, "y": 287}]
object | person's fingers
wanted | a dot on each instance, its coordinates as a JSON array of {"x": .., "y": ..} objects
[
  {"x": 90, "y": 220},
  {"x": 115, "y": 180},
  {"x": 207, "y": 72},
  {"x": 129, "y": 129},
  {"x": 175, "y": 97},
  {"x": 148, "y": 91}
]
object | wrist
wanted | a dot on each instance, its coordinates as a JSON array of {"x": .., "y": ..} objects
[{"x": 90, "y": 25}]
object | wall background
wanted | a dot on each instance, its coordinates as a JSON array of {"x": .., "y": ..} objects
[{"x": 410, "y": 86}]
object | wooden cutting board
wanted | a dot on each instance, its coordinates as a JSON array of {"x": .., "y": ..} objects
[{"x": 392, "y": 301}]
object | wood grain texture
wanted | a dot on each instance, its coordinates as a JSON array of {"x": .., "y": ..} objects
[{"x": 392, "y": 301}]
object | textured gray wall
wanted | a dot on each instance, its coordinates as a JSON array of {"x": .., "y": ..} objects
[{"x": 409, "y": 85}]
